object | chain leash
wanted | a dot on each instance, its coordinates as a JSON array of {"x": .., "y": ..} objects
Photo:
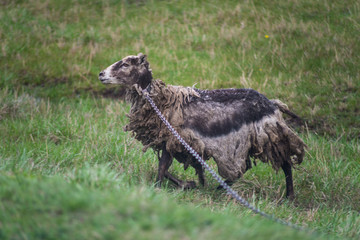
[{"x": 229, "y": 190}]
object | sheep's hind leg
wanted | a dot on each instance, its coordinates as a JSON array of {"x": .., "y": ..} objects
[{"x": 286, "y": 167}]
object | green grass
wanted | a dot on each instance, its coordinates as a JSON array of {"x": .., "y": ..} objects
[
  {"x": 67, "y": 169},
  {"x": 49, "y": 208}
]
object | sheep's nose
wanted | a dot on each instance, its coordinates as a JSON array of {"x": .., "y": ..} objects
[{"x": 101, "y": 74}]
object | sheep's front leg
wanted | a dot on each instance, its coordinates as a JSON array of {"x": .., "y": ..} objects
[
  {"x": 228, "y": 182},
  {"x": 179, "y": 183},
  {"x": 165, "y": 162},
  {"x": 200, "y": 172},
  {"x": 286, "y": 167}
]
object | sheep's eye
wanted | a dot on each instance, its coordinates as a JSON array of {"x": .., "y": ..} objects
[{"x": 125, "y": 65}]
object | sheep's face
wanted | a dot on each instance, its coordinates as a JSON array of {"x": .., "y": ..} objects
[{"x": 128, "y": 71}]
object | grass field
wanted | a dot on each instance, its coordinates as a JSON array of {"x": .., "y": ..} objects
[{"x": 67, "y": 169}]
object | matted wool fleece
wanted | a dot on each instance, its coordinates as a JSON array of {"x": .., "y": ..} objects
[
  {"x": 270, "y": 139},
  {"x": 147, "y": 126}
]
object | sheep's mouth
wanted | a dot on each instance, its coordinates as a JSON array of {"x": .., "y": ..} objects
[
  {"x": 105, "y": 80},
  {"x": 108, "y": 81}
]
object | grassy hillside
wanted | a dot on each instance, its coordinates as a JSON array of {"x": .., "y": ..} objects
[{"x": 67, "y": 169}]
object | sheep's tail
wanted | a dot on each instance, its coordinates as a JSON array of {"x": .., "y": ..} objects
[{"x": 285, "y": 109}]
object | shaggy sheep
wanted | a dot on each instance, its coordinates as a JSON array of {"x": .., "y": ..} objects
[{"x": 229, "y": 125}]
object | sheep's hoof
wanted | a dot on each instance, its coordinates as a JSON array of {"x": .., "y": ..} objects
[
  {"x": 158, "y": 184},
  {"x": 291, "y": 197},
  {"x": 189, "y": 185}
]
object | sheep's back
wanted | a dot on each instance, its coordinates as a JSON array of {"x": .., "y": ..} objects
[{"x": 219, "y": 112}]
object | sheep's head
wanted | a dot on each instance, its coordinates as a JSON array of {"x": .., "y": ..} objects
[{"x": 128, "y": 71}]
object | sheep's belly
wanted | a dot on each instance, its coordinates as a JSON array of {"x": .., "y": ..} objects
[{"x": 231, "y": 151}]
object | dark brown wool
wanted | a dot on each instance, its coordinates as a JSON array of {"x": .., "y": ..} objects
[
  {"x": 267, "y": 138},
  {"x": 229, "y": 125}
]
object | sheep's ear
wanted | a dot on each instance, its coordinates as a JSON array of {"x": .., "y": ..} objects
[{"x": 142, "y": 58}]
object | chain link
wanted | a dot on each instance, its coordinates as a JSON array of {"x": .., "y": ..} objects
[{"x": 229, "y": 190}]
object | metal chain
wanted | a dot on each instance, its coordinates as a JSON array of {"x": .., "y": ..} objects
[{"x": 229, "y": 190}]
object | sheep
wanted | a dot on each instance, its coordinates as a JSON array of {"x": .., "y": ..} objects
[{"x": 231, "y": 126}]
